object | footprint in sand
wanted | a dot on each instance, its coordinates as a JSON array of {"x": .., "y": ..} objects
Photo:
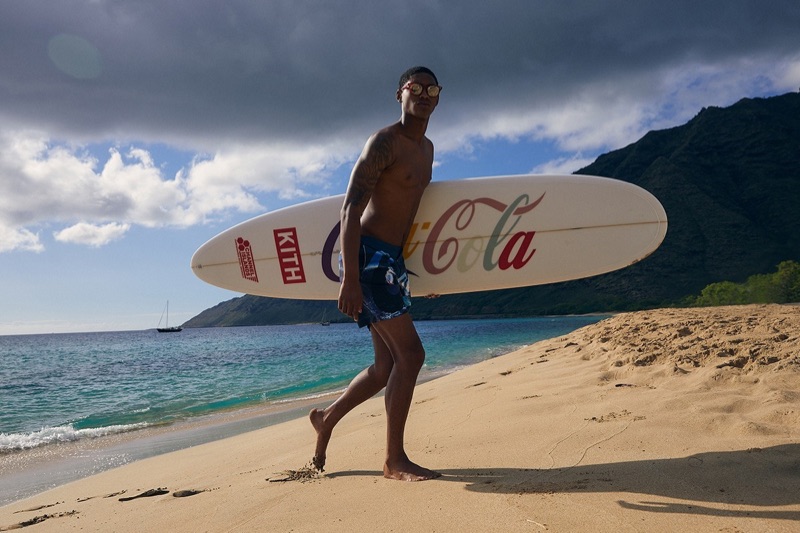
[
  {"x": 79, "y": 500},
  {"x": 37, "y": 508},
  {"x": 146, "y": 494},
  {"x": 188, "y": 492},
  {"x": 37, "y": 520}
]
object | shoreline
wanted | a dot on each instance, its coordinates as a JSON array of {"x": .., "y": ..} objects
[
  {"x": 46, "y": 467},
  {"x": 49, "y": 466},
  {"x": 209, "y": 389},
  {"x": 661, "y": 420},
  {"x": 58, "y": 455}
]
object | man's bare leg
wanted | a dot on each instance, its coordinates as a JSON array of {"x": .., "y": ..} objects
[
  {"x": 364, "y": 386},
  {"x": 400, "y": 336}
]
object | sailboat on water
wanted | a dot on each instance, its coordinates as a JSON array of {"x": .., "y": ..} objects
[{"x": 167, "y": 328}]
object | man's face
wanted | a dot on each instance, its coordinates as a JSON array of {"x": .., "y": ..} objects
[{"x": 421, "y": 105}]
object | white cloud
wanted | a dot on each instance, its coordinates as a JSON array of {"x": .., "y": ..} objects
[
  {"x": 92, "y": 235},
  {"x": 562, "y": 165},
  {"x": 233, "y": 177},
  {"x": 21, "y": 239},
  {"x": 55, "y": 184}
]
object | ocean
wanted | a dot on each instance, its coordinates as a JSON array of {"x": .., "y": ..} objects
[{"x": 75, "y": 404}]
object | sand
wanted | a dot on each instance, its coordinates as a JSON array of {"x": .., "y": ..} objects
[{"x": 664, "y": 420}]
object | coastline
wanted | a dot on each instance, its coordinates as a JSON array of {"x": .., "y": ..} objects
[
  {"x": 26, "y": 473},
  {"x": 36, "y": 460},
  {"x": 673, "y": 419},
  {"x": 29, "y": 472}
]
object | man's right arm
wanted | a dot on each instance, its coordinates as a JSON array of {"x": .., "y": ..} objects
[{"x": 375, "y": 158}]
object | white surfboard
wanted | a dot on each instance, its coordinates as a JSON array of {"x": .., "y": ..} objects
[{"x": 469, "y": 235}]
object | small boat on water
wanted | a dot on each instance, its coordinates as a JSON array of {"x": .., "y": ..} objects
[{"x": 167, "y": 328}]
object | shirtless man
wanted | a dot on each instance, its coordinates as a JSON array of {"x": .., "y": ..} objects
[{"x": 385, "y": 189}]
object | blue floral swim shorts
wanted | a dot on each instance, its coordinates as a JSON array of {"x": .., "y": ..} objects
[{"x": 384, "y": 281}]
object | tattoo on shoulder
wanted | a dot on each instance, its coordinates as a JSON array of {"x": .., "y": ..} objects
[
  {"x": 378, "y": 156},
  {"x": 380, "y": 153}
]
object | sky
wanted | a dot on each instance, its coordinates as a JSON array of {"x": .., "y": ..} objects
[{"x": 132, "y": 131}]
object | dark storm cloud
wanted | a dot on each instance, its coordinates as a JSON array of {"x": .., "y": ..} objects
[{"x": 195, "y": 73}]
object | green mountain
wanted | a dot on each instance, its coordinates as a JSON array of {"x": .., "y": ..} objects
[{"x": 729, "y": 180}]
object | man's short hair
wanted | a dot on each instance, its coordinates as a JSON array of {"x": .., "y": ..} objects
[{"x": 416, "y": 70}]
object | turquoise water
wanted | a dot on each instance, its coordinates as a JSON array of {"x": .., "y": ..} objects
[
  {"x": 64, "y": 386},
  {"x": 72, "y": 388}
]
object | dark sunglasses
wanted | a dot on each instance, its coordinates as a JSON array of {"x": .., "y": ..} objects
[{"x": 417, "y": 88}]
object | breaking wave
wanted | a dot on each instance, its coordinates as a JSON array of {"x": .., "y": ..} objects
[{"x": 11, "y": 442}]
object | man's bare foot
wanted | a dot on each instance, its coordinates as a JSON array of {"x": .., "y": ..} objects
[
  {"x": 317, "y": 418},
  {"x": 405, "y": 470}
]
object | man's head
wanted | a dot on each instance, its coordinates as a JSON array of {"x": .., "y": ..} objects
[
  {"x": 418, "y": 92},
  {"x": 415, "y": 70}
]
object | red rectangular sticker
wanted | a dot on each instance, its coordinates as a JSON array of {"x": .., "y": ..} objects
[
  {"x": 289, "y": 255},
  {"x": 246, "y": 261}
]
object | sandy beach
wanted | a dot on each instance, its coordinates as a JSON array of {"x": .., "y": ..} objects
[{"x": 663, "y": 420}]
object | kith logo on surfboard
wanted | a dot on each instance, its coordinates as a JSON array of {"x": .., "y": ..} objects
[
  {"x": 289, "y": 255},
  {"x": 246, "y": 261}
]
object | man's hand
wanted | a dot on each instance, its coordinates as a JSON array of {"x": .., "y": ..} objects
[{"x": 350, "y": 299}]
